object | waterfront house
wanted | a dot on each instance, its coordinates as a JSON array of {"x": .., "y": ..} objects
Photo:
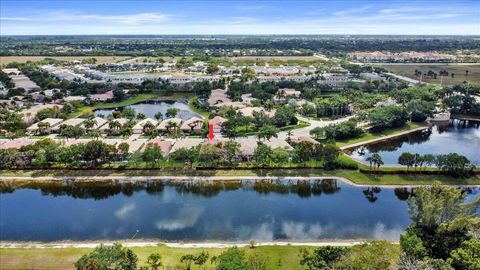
[
  {"x": 193, "y": 125},
  {"x": 169, "y": 123},
  {"x": 217, "y": 122},
  {"x": 50, "y": 122},
  {"x": 138, "y": 128}
]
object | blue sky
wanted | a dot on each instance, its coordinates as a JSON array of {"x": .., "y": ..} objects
[{"x": 19, "y": 17}]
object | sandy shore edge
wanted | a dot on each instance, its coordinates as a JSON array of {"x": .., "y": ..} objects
[{"x": 93, "y": 244}]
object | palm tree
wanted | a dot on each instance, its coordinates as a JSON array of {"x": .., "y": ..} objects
[
  {"x": 370, "y": 160},
  {"x": 193, "y": 124},
  {"x": 289, "y": 136},
  {"x": 148, "y": 127},
  {"x": 377, "y": 160},
  {"x": 43, "y": 127},
  {"x": 158, "y": 116},
  {"x": 126, "y": 131},
  {"x": 89, "y": 123},
  {"x": 114, "y": 126},
  {"x": 177, "y": 133},
  {"x": 95, "y": 134},
  {"x": 170, "y": 125}
]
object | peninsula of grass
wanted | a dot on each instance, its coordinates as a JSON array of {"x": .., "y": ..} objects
[
  {"x": 251, "y": 130},
  {"x": 200, "y": 111},
  {"x": 83, "y": 110},
  {"x": 367, "y": 136}
]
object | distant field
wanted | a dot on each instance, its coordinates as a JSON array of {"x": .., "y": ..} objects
[
  {"x": 22, "y": 59},
  {"x": 276, "y": 58},
  {"x": 458, "y": 70}
]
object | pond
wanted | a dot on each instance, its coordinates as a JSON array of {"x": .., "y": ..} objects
[
  {"x": 456, "y": 136},
  {"x": 264, "y": 210},
  {"x": 150, "y": 108}
]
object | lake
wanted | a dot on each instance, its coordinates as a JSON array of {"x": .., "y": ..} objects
[
  {"x": 455, "y": 137},
  {"x": 200, "y": 211},
  {"x": 150, "y": 108}
]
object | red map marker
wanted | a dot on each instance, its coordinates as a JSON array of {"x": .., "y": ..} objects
[{"x": 210, "y": 133}]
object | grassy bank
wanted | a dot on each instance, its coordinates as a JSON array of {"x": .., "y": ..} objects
[
  {"x": 371, "y": 136},
  {"x": 354, "y": 176},
  {"x": 277, "y": 257},
  {"x": 136, "y": 99},
  {"x": 192, "y": 107}
]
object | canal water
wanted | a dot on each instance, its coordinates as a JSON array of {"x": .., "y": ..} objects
[
  {"x": 200, "y": 211},
  {"x": 150, "y": 108},
  {"x": 454, "y": 137}
]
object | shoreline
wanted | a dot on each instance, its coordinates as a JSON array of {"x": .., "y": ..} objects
[
  {"x": 173, "y": 244},
  {"x": 379, "y": 139},
  {"x": 209, "y": 178}
]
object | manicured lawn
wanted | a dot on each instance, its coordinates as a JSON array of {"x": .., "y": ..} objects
[
  {"x": 136, "y": 99},
  {"x": 370, "y": 136},
  {"x": 203, "y": 113},
  {"x": 278, "y": 257},
  {"x": 251, "y": 131}
]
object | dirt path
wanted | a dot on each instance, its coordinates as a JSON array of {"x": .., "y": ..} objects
[{"x": 129, "y": 243}]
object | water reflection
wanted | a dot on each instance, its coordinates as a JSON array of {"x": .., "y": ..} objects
[
  {"x": 105, "y": 189},
  {"x": 403, "y": 193},
  {"x": 201, "y": 210},
  {"x": 150, "y": 108},
  {"x": 462, "y": 137},
  {"x": 371, "y": 194}
]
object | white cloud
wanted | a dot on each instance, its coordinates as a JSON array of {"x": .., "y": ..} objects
[
  {"x": 301, "y": 231},
  {"x": 185, "y": 218},
  {"x": 125, "y": 210},
  {"x": 304, "y": 231},
  {"x": 351, "y": 11},
  {"x": 252, "y": 7},
  {"x": 242, "y": 20},
  {"x": 81, "y": 17},
  {"x": 263, "y": 232},
  {"x": 402, "y": 20}
]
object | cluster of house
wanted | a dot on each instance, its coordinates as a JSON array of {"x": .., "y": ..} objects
[
  {"x": 20, "y": 80},
  {"x": 48, "y": 125},
  {"x": 283, "y": 70},
  {"x": 378, "y": 56},
  {"x": 247, "y": 145},
  {"x": 88, "y": 73},
  {"x": 192, "y": 125},
  {"x": 219, "y": 98}
]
